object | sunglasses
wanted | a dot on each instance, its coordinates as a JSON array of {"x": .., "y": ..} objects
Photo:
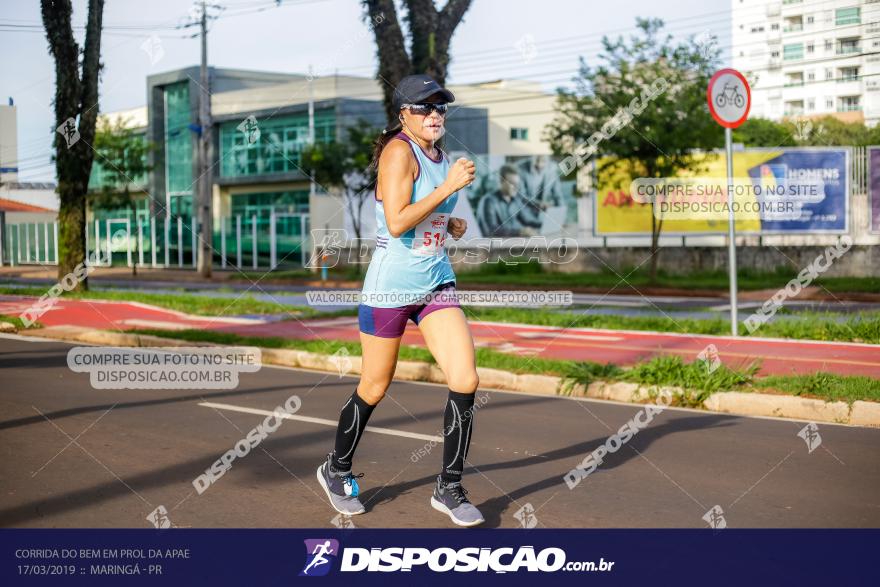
[{"x": 426, "y": 109}]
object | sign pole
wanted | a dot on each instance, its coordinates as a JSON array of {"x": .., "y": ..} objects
[
  {"x": 731, "y": 231},
  {"x": 729, "y": 98}
]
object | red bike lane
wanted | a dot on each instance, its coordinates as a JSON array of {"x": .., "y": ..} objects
[{"x": 776, "y": 356}]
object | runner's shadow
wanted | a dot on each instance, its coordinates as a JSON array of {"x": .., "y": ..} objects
[{"x": 493, "y": 508}]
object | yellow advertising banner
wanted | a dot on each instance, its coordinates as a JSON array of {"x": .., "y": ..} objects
[{"x": 617, "y": 213}]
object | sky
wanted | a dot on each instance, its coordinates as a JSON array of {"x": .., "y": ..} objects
[{"x": 527, "y": 39}]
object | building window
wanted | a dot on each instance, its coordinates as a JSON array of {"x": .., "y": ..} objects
[
  {"x": 829, "y": 74},
  {"x": 809, "y": 20},
  {"x": 262, "y": 203},
  {"x": 829, "y": 45},
  {"x": 793, "y": 51},
  {"x": 178, "y": 141},
  {"x": 811, "y": 76},
  {"x": 810, "y": 47},
  {"x": 774, "y": 27},
  {"x": 277, "y": 147},
  {"x": 848, "y": 46},
  {"x": 519, "y": 134},
  {"x": 844, "y": 16},
  {"x": 849, "y": 74},
  {"x": 811, "y": 104},
  {"x": 795, "y": 108},
  {"x": 848, "y": 104},
  {"x": 829, "y": 103}
]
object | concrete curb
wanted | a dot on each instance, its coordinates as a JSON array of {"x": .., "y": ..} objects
[{"x": 861, "y": 413}]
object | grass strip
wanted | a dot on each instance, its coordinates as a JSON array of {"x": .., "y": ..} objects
[
  {"x": 189, "y": 303},
  {"x": 16, "y": 321},
  {"x": 698, "y": 381}
]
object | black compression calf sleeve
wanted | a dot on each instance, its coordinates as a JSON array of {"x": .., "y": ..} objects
[
  {"x": 457, "y": 423},
  {"x": 352, "y": 421}
]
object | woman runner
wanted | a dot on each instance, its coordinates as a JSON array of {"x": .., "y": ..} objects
[{"x": 410, "y": 278}]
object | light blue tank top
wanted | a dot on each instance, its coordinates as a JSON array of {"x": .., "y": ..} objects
[{"x": 403, "y": 270}]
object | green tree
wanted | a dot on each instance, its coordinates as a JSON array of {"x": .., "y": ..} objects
[
  {"x": 644, "y": 104},
  {"x": 76, "y": 112},
  {"x": 827, "y": 131},
  {"x": 123, "y": 157},
  {"x": 346, "y": 166},
  {"x": 831, "y": 131},
  {"x": 760, "y": 132}
]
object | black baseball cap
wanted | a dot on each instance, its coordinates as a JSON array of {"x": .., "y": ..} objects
[{"x": 414, "y": 88}]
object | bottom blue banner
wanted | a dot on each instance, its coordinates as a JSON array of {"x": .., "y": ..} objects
[{"x": 389, "y": 557}]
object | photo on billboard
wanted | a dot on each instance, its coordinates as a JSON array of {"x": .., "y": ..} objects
[{"x": 518, "y": 196}]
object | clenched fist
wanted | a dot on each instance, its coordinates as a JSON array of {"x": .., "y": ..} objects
[
  {"x": 461, "y": 174},
  {"x": 457, "y": 227}
]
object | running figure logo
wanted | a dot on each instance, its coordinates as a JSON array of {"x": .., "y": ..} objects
[{"x": 320, "y": 554}]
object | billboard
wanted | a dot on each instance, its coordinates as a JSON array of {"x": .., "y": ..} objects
[
  {"x": 617, "y": 213},
  {"x": 518, "y": 196},
  {"x": 874, "y": 187}
]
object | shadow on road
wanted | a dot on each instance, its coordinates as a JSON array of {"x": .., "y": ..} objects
[{"x": 493, "y": 508}]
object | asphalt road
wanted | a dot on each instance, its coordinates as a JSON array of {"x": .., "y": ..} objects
[{"x": 74, "y": 456}]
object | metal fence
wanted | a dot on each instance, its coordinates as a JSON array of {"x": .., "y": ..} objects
[
  {"x": 267, "y": 241},
  {"x": 859, "y": 170},
  {"x": 34, "y": 243}
]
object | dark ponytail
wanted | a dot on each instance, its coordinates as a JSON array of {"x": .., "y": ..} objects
[{"x": 383, "y": 140}]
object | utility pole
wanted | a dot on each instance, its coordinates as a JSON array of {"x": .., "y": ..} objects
[
  {"x": 311, "y": 125},
  {"x": 205, "y": 183}
]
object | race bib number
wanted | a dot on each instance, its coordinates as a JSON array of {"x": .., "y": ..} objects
[{"x": 430, "y": 235}]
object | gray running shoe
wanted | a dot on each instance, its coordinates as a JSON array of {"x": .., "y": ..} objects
[
  {"x": 451, "y": 499},
  {"x": 341, "y": 488}
]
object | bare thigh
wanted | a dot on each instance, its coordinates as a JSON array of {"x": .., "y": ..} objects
[
  {"x": 378, "y": 363},
  {"x": 449, "y": 339}
]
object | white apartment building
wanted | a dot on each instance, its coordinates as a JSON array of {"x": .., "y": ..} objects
[{"x": 810, "y": 58}]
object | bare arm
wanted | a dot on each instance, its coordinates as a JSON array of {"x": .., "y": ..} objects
[{"x": 397, "y": 166}]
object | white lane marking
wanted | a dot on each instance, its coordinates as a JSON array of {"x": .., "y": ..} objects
[
  {"x": 577, "y": 336},
  {"x": 323, "y": 421}
]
